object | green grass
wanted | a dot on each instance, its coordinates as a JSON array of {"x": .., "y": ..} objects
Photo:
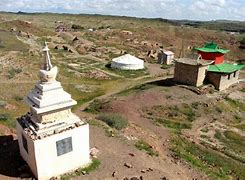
[
  {"x": 188, "y": 111},
  {"x": 18, "y": 98},
  {"x": 13, "y": 71},
  {"x": 236, "y": 104},
  {"x": 127, "y": 73},
  {"x": 165, "y": 66},
  {"x": 9, "y": 42},
  {"x": 95, "y": 106},
  {"x": 242, "y": 90},
  {"x": 233, "y": 136},
  {"x": 144, "y": 146},
  {"x": 110, "y": 132},
  {"x": 87, "y": 98},
  {"x": 81, "y": 97},
  {"x": 7, "y": 119},
  {"x": 174, "y": 124},
  {"x": 136, "y": 89},
  {"x": 218, "y": 134},
  {"x": 208, "y": 161},
  {"x": 240, "y": 126},
  {"x": 234, "y": 144},
  {"x": 2, "y": 103},
  {"x": 205, "y": 130},
  {"x": 114, "y": 120},
  {"x": 92, "y": 167},
  {"x": 176, "y": 117}
]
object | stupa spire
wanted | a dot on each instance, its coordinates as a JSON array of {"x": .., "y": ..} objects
[
  {"x": 48, "y": 73},
  {"x": 47, "y": 61}
]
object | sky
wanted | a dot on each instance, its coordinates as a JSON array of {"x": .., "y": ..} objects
[{"x": 168, "y": 9}]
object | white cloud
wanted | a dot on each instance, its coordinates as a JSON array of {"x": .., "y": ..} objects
[{"x": 174, "y": 9}]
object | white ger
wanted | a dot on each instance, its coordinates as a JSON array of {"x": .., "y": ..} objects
[
  {"x": 127, "y": 62},
  {"x": 52, "y": 140}
]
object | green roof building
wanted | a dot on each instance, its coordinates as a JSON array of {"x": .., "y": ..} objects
[
  {"x": 211, "y": 51},
  {"x": 223, "y": 75}
]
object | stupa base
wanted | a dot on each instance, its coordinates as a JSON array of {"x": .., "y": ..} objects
[{"x": 58, "y": 153}]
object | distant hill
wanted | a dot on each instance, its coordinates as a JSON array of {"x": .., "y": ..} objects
[{"x": 222, "y": 25}]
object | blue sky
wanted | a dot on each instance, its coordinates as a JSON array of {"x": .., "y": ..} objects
[{"x": 171, "y": 9}]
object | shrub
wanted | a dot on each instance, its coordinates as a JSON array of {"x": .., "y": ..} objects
[
  {"x": 165, "y": 66},
  {"x": 95, "y": 106},
  {"x": 233, "y": 136},
  {"x": 114, "y": 120},
  {"x": 75, "y": 26},
  {"x": 2, "y": 103},
  {"x": 12, "y": 72},
  {"x": 18, "y": 98},
  {"x": 242, "y": 90},
  {"x": 4, "y": 117}
]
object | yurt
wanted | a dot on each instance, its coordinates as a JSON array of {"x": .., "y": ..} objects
[{"x": 127, "y": 62}]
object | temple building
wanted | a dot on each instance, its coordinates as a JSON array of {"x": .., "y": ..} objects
[
  {"x": 191, "y": 71},
  {"x": 52, "y": 140},
  {"x": 223, "y": 75},
  {"x": 211, "y": 51}
]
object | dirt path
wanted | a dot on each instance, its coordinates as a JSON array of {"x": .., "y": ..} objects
[
  {"x": 126, "y": 85},
  {"x": 139, "y": 128}
]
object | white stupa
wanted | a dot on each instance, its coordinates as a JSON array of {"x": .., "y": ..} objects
[
  {"x": 127, "y": 62},
  {"x": 52, "y": 140}
]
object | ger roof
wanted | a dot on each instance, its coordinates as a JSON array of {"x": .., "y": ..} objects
[
  {"x": 212, "y": 47},
  {"x": 128, "y": 59},
  {"x": 225, "y": 68}
]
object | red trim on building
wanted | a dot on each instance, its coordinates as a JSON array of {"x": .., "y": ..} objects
[{"x": 217, "y": 57}]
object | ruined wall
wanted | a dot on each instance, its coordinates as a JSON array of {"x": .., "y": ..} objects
[{"x": 186, "y": 74}]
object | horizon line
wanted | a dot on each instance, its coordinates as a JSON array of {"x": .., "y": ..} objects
[{"x": 114, "y": 15}]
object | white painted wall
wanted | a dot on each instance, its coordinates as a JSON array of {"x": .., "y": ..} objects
[{"x": 42, "y": 154}]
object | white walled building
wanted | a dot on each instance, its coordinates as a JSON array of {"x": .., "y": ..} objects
[
  {"x": 52, "y": 140},
  {"x": 165, "y": 57},
  {"x": 127, "y": 62}
]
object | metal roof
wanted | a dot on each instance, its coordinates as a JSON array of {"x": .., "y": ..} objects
[
  {"x": 212, "y": 48},
  {"x": 225, "y": 68}
]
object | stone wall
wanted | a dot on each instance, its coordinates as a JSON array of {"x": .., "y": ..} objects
[
  {"x": 222, "y": 81},
  {"x": 189, "y": 74}
]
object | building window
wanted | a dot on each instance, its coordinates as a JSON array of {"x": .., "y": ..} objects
[
  {"x": 234, "y": 75},
  {"x": 229, "y": 76},
  {"x": 64, "y": 146},
  {"x": 24, "y": 141}
]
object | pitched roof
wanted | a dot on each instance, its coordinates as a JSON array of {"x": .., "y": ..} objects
[
  {"x": 167, "y": 52},
  {"x": 225, "y": 68},
  {"x": 212, "y": 47}
]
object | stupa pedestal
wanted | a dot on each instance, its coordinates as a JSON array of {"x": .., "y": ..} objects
[{"x": 52, "y": 140}]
